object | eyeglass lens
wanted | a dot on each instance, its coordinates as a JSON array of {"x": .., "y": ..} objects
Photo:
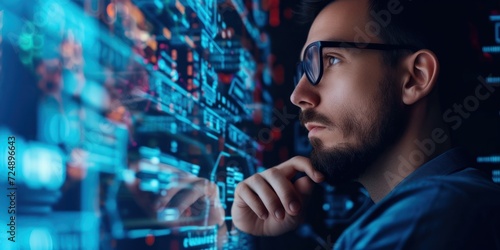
[{"x": 310, "y": 65}]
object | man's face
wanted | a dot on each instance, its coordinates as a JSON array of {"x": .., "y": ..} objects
[{"x": 355, "y": 113}]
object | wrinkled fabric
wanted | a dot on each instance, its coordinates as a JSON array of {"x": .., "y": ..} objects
[{"x": 444, "y": 204}]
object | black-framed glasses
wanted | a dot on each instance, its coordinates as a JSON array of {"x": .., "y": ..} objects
[{"x": 312, "y": 62}]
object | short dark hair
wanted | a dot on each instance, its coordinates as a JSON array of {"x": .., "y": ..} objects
[{"x": 441, "y": 26}]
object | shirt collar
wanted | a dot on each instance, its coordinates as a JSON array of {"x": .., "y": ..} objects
[{"x": 448, "y": 162}]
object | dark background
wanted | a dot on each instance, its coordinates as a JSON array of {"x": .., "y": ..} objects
[
  {"x": 479, "y": 133},
  {"x": 326, "y": 215}
]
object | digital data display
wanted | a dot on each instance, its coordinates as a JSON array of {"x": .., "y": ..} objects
[
  {"x": 132, "y": 120},
  {"x": 127, "y": 124}
]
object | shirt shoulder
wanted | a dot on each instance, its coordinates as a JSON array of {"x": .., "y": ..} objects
[{"x": 437, "y": 212}]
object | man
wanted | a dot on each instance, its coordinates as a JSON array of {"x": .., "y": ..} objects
[{"x": 367, "y": 90}]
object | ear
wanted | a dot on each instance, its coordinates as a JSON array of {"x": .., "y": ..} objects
[{"x": 422, "y": 69}]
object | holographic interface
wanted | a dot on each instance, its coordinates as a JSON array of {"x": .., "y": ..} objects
[{"x": 138, "y": 119}]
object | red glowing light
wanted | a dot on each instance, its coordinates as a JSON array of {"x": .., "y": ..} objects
[{"x": 150, "y": 239}]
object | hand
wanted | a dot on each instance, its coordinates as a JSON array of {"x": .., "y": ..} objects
[
  {"x": 196, "y": 200},
  {"x": 186, "y": 200},
  {"x": 268, "y": 203}
]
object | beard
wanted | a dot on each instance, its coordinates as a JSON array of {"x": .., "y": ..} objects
[{"x": 345, "y": 163}]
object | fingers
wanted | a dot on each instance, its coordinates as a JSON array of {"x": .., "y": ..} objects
[
  {"x": 251, "y": 199},
  {"x": 184, "y": 184},
  {"x": 195, "y": 202},
  {"x": 288, "y": 198},
  {"x": 186, "y": 198},
  {"x": 260, "y": 196},
  {"x": 189, "y": 193},
  {"x": 272, "y": 192}
]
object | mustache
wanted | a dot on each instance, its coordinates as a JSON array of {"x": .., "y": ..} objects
[{"x": 309, "y": 115}]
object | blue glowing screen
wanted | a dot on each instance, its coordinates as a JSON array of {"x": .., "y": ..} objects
[
  {"x": 127, "y": 124},
  {"x": 132, "y": 120}
]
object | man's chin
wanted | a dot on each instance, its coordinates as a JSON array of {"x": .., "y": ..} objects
[{"x": 339, "y": 164}]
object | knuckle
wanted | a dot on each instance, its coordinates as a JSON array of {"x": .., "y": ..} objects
[
  {"x": 242, "y": 187},
  {"x": 297, "y": 158},
  {"x": 256, "y": 179},
  {"x": 273, "y": 173}
]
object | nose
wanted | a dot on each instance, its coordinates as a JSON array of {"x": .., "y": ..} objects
[{"x": 305, "y": 95}]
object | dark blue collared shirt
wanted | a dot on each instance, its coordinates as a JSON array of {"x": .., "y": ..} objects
[{"x": 444, "y": 204}]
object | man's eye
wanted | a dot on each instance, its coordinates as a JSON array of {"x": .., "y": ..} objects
[{"x": 333, "y": 60}]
